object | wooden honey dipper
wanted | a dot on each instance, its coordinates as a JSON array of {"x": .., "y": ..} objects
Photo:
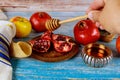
[{"x": 53, "y": 24}]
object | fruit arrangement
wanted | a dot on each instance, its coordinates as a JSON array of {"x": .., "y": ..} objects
[
  {"x": 52, "y": 47},
  {"x": 61, "y": 43},
  {"x": 41, "y": 21}
]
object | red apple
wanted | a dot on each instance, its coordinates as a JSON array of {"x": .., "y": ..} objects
[{"x": 38, "y": 21}]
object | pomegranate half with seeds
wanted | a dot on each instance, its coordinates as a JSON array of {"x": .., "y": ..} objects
[
  {"x": 50, "y": 47},
  {"x": 62, "y": 43},
  {"x": 41, "y": 43}
]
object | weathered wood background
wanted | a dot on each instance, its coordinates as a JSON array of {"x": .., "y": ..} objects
[{"x": 44, "y": 5}]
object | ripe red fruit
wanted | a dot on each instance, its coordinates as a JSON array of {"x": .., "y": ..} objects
[
  {"x": 41, "y": 43},
  {"x": 85, "y": 31},
  {"x": 62, "y": 43},
  {"x": 58, "y": 42},
  {"x": 38, "y": 21},
  {"x": 118, "y": 44}
]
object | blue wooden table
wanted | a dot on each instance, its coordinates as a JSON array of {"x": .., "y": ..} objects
[{"x": 75, "y": 68}]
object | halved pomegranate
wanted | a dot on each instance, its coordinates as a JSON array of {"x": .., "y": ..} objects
[
  {"x": 62, "y": 43},
  {"x": 41, "y": 43},
  {"x": 50, "y": 47},
  {"x": 47, "y": 35}
]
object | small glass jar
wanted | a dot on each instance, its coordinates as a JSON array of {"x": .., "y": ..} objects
[{"x": 96, "y": 55}]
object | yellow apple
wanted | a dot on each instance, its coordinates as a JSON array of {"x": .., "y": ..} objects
[{"x": 23, "y": 26}]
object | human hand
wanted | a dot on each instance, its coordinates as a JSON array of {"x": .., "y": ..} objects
[{"x": 106, "y": 12}]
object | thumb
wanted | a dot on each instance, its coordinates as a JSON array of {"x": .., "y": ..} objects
[{"x": 94, "y": 15}]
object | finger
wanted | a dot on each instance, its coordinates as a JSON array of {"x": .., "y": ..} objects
[
  {"x": 99, "y": 25},
  {"x": 94, "y": 15},
  {"x": 96, "y": 5}
]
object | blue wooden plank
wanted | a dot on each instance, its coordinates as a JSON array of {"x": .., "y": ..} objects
[
  {"x": 70, "y": 69},
  {"x": 75, "y": 68}
]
